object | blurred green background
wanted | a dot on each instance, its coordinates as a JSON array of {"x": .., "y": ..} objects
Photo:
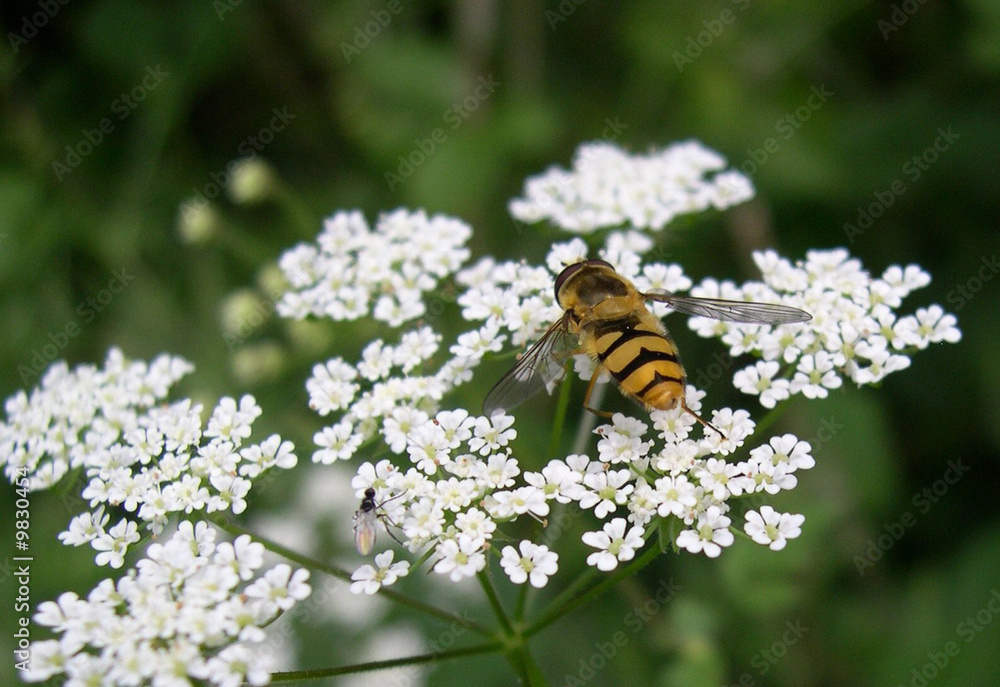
[{"x": 359, "y": 86}]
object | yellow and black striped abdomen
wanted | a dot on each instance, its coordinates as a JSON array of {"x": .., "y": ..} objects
[{"x": 638, "y": 354}]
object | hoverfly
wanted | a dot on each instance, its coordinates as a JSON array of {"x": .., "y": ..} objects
[
  {"x": 366, "y": 519},
  {"x": 605, "y": 316}
]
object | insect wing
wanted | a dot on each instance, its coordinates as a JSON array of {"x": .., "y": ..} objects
[
  {"x": 365, "y": 522},
  {"x": 541, "y": 365},
  {"x": 746, "y": 312}
]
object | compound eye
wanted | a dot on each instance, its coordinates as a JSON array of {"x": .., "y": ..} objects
[{"x": 566, "y": 274}]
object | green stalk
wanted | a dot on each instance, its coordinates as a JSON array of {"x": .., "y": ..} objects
[
  {"x": 771, "y": 416},
  {"x": 491, "y": 595},
  {"x": 522, "y": 602},
  {"x": 588, "y": 420},
  {"x": 633, "y": 567},
  {"x": 560, "y": 420},
  {"x": 319, "y": 673}
]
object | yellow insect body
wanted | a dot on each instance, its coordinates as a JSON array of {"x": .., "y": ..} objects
[
  {"x": 606, "y": 315},
  {"x": 625, "y": 338}
]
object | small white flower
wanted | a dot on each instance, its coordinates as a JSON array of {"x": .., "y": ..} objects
[
  {"x": 492, "y": 434},
  {"x": 815, "y": 375},
  {"x": 614, "y": 543},
  {"x": 722, "y": 479},
  {"x": 459, "y": 558},
  {"x": 760, "y": 380},
  {"x": 331, "y": 387},
  {"x": 338, "y": 442},
  {"x": 368, "y": 579},
  {"x": 557, "y": 481},
  {"x": 475, "y": 524},
  {"x": 605, "y": 491},
  {"x": 786, "y": 449},
  {"x": 772, "y": 528},
  {"x": 281, "y": 587},
  {"x": 535, "y": 562},
  {"x": 678, "y": 495},
  {"x": 114, "y": 544},
  {"x": 709, "y": 534},
  {"x": 85, "y": 527}
]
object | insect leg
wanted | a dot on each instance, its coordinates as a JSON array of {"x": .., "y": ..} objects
[
  {"x": 389, "y": 532},
  {"x": 702, "y": 420},
  {"x": 387, "y": 521},
  {"x": 590, "y": 390}
]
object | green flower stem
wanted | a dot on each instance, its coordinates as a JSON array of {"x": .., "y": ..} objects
[
  {"x": 293, "y": 675},
  {"x": 588, "y": 420},
  {"x": 560, "y": 419},
  {"x": 515, "y": 648},
  {"x": 491, "y": 595},
  {"x": 319, "y": 566},
  {"x": 534, "y": 677},
  {"x": 526, "y": 668},
  {"x": 771, "y": 416},
  {"x": 558, "y": 611},
  {"x": 582, "y": 581},
  {"x": 522, "y": 602}
]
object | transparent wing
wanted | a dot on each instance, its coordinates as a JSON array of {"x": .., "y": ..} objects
[
  {"x": 365, "y": 531},
  {"x": 540, "y": 365},
  {"x": 746, "y": 312}
]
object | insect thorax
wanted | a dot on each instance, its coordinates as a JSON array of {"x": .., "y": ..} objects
[{"x": 590, "y": 287}]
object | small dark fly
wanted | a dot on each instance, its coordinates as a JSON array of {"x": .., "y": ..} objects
[{"x": 366, "y": 520}]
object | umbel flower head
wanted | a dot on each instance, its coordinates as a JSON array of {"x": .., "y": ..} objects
[
  {"x": 455, "y": 479},
  {"x": 191, "y": 609},
  {"x": 608, "y": 187},
  {"x": 151, "y": 459}
]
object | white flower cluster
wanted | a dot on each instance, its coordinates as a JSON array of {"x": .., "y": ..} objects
[
  {"x": 72, "y": 411},
  {"x": 193, "y": 609},
  {"x": 456, "y": 477},
  {"x": 856, "y": 332},
  {"x": 462, "y": 484},
  {"x": 353, "y": 270},
  {"x": 151, "y": 460},
  {"x": 462, "y": 479},
  {"x": 608, "y": 187}
]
